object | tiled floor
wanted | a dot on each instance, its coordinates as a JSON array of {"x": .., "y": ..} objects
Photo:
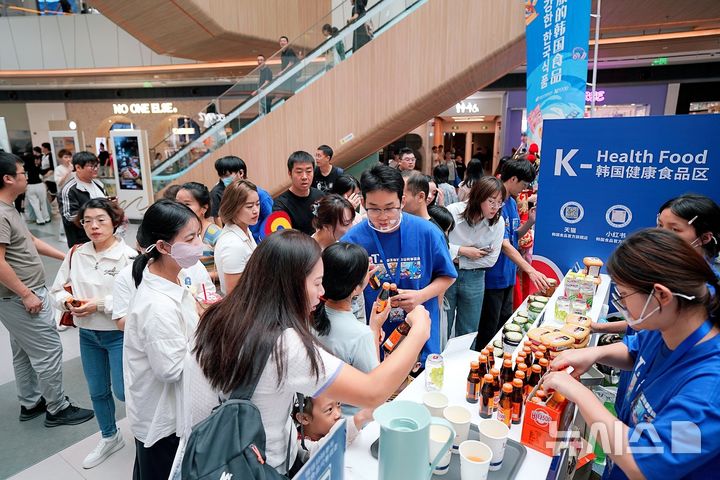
[{"x": 30, "y": 451}]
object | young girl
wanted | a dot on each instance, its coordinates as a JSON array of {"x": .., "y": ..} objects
[
  {"x": 91, "y": 269},
  {"x": 240, "y": 208},
  {"x": 197, "y": 197},
  {"x": 345, "y": 277},
  {"x": 158, "y": 334},
  {"x": 475, "y": 244},
  {"x": 668, "y": 422},
  {"x": 333, "y": 217},
  {"x": 261, "y": 331}
]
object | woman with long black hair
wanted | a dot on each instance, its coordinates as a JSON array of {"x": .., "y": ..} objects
[
  {"x": 158, "y": 334},
  {"x": 262, "y": 331}
]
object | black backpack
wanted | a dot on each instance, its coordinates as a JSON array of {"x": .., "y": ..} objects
[{"x": 230, "y": 443}]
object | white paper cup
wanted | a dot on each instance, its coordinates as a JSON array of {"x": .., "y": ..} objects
[
  {"x": 438, "y": 436},
  {"x": 474, "y": 460},
  {"x": 459, "y": 417},
  {"x": 436, "y": 403},
  {"x": 494, "y": 434}
]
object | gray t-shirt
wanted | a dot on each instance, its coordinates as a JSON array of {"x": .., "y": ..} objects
[
  {"x": 350, "y": 341},
  {"x": 20, "y": 251}
]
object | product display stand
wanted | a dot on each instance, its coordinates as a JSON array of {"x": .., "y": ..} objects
[{"x": 360, "y": 464}]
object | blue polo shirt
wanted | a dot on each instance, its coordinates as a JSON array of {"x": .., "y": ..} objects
[
  {"x": 502, "y": 274},
  {"x": 420, "y": 248},
  {"x": 674, "y": 419}
]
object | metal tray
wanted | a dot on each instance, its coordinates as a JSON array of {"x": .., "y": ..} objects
[{"x": 514, "y": 456}]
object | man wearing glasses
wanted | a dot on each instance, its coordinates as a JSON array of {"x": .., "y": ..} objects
[
  {"x": 76, "y": 192},
  {"x": 26, "y": 312},
  {"x": 408, "y": 251}
]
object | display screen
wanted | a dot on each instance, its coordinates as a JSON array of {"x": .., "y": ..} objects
[{"x": 127, "y": 156}]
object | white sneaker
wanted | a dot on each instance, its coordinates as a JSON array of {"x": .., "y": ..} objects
[{"x": 105, "y": 448}]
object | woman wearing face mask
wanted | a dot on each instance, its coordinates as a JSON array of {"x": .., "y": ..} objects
[
  {"x": 239, "y": 209},
  {"x": 669, "y": 419},
  {"x": 91, "y": 269},
  {"x": 158, "y": 334},
  {"x": 695, "y": 219},
  {"x": 270, "y": 310},
  {"x": 475, "y": 244},
  {"x": 197, "y": 197},
  {"x": 333, "y": 217}
]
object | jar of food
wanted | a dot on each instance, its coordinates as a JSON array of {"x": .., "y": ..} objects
[
  {"x": 562, "y": 308},
  {"x": 578, "y": 307},
  {"x": 534, "y": 310},
  {"x": 511, "y": 340},
  {"x": 552, "y": 286},
  {"x": 587, "y": 291},
  {"x": 434, "y": 372}
]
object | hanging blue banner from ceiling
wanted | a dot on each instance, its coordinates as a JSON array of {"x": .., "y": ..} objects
[
  {"x": 604, "y": 178},
  {"x": 556, "y": 33}
]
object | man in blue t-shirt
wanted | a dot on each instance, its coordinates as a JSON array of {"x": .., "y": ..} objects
[
  {"x": 392, "y": 237},
  {"x": 516, "y": 175}
]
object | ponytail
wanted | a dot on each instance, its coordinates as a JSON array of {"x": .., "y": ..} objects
[
  {"x": 138, "y": 268},
  {"x": 321, "y": 321}
]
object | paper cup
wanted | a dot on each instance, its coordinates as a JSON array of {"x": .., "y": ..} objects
[
  {"x": 474, "y": 460},
  {"x": 459, "y": 417},
  {"x": 438, "y": 436},
  {"x": 494, "y": 434},
  {"x": 436, "y": 403}
]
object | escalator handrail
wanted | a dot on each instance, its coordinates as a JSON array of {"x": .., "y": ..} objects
[{"x": 254, "y": 99}]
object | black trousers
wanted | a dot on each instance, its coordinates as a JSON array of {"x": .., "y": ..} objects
[
  {"x": 496, "y": 310},
  {"x": 155, "y": 462}
]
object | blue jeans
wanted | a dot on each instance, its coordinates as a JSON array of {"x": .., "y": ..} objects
[
  {"x": 102, "y": 360},
  {"x": 465, "y": 298}
]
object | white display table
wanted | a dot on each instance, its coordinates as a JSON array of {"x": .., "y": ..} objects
[{"x": 360, "y": 464}]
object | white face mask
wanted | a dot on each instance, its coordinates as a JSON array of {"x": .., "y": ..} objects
[
  {"x": 617, "y": 301},
  {"x": 392, "y": 225}
]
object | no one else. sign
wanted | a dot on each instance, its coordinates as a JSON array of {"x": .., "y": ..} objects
[{"x": 143, "y": 108}]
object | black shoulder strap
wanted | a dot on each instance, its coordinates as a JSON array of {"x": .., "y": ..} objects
[{"x": 245, "y": 392}]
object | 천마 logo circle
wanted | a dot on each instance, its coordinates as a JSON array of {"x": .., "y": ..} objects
[
  {"x": 541, "y": 417},
  {"x": 572, "y": 212}
]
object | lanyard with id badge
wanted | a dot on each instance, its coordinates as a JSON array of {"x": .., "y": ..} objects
[{"x": 397, "y": 314}]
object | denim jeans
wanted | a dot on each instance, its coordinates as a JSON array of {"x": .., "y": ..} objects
[
  {"x": 465, "y": 298},
  {"x": 102, "y": 361}
]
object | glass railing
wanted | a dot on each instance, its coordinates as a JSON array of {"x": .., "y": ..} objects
[{"x": 268, "y": 86}]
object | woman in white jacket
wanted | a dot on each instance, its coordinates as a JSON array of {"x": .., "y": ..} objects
[{"x": 90, "y": 270}]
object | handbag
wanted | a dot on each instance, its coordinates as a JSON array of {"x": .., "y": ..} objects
[{"x": 66, "y": 319}]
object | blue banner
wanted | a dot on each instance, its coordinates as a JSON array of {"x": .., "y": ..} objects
[
  {"x": 603, "y": 178},
  {"x": 328, "y": 463},
  {"x": 556, "y": 33}
]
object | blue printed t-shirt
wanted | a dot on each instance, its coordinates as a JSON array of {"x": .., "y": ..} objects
[
  {"x": 675, "y": 419},
  {"x": 423, "y": 257},
  {"x": 502, "y": 274},
  {"x": 266, "y": 206}
]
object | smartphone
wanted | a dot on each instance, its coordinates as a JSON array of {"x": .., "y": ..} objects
[
  {"x": 531, "y": 205},
  {"x": 489, "y": 248}
]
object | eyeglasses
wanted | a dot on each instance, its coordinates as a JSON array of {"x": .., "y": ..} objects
[
  {"x": 619, "y": 300},
  {"x": 493, "y": 203},
  {"x": 376, "y": 212},
  {"x": 98, "y": 220},
  {"x": 93, "y": 166},
  {"x": 23, "y": 173}
]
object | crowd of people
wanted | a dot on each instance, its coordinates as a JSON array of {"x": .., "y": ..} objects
[{"x": 204, "y": 302}]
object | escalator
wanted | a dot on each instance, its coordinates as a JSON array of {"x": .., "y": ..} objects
[{"x": 377, "y": 78}]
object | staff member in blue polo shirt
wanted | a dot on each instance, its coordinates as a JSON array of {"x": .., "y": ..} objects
[{"x": 669, "y": 422}]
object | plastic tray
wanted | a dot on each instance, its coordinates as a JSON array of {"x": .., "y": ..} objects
[{"x": 514, "y": 457}]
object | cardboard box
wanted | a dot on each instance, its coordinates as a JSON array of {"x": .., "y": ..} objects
[{"x": 546, "y": 429}]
